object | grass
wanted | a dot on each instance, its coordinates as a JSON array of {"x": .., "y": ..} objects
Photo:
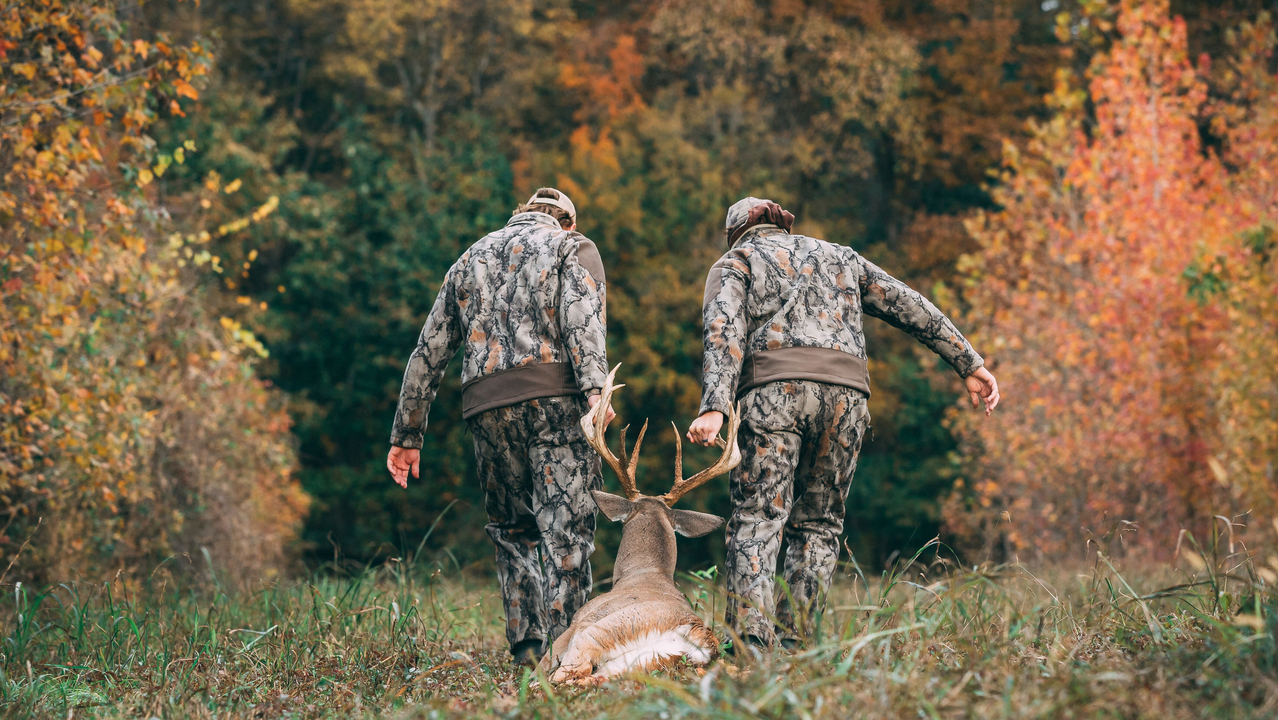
[{"x": 922, "y": 641}]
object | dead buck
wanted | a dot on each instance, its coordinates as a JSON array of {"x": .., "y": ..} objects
[{"x": 644, "y": 622}]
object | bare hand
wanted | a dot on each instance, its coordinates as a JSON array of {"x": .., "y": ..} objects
[
  {"x": 981, "y": 385},
  {"x": 705, "y": 429},
  {"x": 401, "y": 461},
  {"x": 594, "y": 400}
]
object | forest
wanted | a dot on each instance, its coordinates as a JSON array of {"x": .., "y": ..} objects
[{"x": 223, "y": 224}]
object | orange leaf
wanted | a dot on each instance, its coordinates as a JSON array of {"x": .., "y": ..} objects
[{"x": 184, "y": 89}]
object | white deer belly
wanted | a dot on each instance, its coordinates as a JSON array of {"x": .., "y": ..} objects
[{"x": 649, "y": 649}]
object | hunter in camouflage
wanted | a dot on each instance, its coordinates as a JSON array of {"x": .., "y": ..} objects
[
  {"x": 783, "y": 336},
  {"x": 527, "y": 304}
]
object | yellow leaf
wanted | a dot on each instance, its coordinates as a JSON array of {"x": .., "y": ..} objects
[
  {"x": 233, "y": 186},
  {"x": 145, "y": 177},
  {"x": 243, "y": 300},
  {"x": 184, "y": 89}
]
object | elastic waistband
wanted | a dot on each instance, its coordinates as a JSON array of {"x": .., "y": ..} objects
[
  {"x": 834, "y": 367},
  {"x": 508, "y": 387}
]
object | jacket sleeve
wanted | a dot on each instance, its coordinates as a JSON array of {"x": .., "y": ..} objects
[
  {"x": 889, "y": 299},
  {"x": 440, "y": 338},
  {"x": 725, "y": 331},
  {"x": 583, "y": 313}
]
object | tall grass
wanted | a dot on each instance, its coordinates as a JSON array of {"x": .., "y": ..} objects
[{"x": 922, "y": 640}]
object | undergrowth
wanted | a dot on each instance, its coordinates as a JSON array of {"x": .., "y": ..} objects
[{"x": 922, "y": 640}]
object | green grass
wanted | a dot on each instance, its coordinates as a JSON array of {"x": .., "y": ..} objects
[{"x": 921, "y": 642}]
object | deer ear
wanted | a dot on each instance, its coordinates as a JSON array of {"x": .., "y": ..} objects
[
  {"x": 615, "y": 507},
  {"x": 694, "y": 524}
]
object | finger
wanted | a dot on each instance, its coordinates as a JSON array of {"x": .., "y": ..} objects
[
  {"x": 417, "y": 468},
  {"x": 976, "y": 400}
]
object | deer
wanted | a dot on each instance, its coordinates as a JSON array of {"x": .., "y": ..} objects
[{"x": 644, "y": 622}]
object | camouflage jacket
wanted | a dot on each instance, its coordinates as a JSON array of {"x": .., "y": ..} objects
[
  {"x": 787, "y": 307},
  {"x": 528, "y": 304}
]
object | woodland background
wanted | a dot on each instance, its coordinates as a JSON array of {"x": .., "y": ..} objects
[{"x": 222, "y": 225}]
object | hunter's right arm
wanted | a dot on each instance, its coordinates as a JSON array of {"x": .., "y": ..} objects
[
  {"x": 440, "y": 338},
  {"x": 724, "y": 318}
]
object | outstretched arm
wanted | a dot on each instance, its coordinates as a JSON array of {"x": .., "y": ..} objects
[
  {"x": 896, "y": 303},
  {"x": 438, "y": 342}
]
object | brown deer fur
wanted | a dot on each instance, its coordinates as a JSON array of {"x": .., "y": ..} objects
[{"x": 644, "y": 622}]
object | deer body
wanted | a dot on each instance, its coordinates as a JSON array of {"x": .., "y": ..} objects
[{"x": 644, "y": 622}]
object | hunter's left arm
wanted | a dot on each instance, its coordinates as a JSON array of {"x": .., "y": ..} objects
[
  {"x": 899, "y": 305},
  {"x": 583, "y": 314}
]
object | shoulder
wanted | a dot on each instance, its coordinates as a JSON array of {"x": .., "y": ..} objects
[
  {"x": 587, "y": 253},
  {"x": 738, "y": 258}
]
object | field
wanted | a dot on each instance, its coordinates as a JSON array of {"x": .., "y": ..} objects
[{"x": 925, "y": 640}]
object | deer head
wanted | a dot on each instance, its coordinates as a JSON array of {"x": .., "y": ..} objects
[{"x": 647, "y": 540}]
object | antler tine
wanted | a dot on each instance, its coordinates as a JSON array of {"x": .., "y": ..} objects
[
  {"x": 678, "y": 454},
  {"x": 634, "y": 452},
  {"x": 731, "y": 458},
  {"x": 594, "y": 425}
]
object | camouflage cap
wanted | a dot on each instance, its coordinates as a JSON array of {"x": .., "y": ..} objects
[
  {"x": 740, "y": 211},
  {"x": 562, "y": 202}
]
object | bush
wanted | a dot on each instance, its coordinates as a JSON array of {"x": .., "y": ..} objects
[{"x": 132, "y": 426}]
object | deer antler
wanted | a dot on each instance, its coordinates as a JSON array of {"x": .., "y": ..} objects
[
  {"x": 730, "y": 458},
  {"x": 595, "y": 423}
]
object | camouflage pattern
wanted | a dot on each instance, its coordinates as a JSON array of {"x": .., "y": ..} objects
[
  {"x": 537, "y": 472},
  {"x": 740, "y": 211},
  {"x": 531, "y": 292},
  {"x": 799, "y": 445},
  {"x": 776, "y": 290}
]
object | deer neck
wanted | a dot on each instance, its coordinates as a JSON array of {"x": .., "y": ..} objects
[{"x": 647, "y": 550}]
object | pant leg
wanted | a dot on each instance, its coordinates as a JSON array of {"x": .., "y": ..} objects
[
  {"x": 501, "y": 440},
  {"x": 564, "y": 470},
  {"x": 836, "y": 423},
  {"x": 761, "y": 492}
]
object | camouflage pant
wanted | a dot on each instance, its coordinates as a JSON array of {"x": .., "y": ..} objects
[
  {"x": 537, "y": 472},
  {"x": 799, "y": 443}
]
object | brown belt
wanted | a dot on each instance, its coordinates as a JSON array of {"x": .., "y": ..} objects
[
  {"x": 508, "y": 387},
  {"x": 834, "y": 367}
]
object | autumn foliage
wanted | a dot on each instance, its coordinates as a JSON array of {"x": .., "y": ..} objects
[
  {"x": 132, "y": 427},
  {"x": 1126, "y": 299}
]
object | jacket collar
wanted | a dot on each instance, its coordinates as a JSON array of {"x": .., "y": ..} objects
[
  {"x": 530, "y": 218},
  {"x": 756, "y": 231}
]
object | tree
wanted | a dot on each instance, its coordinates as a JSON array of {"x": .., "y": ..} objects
[
  {"x": 132, "y": 427},
  {"x": 1093, "y": 285}
]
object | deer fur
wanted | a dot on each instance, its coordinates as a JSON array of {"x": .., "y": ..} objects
[{"x": 644, "y": 622}]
